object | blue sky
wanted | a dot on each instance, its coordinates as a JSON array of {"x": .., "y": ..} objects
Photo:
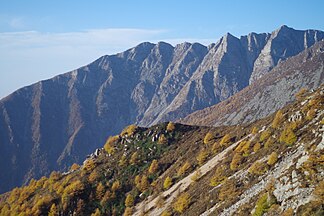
[{"x": 40, "y": 39}]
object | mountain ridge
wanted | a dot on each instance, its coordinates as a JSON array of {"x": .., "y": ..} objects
[{"x": 56, "y": 122}]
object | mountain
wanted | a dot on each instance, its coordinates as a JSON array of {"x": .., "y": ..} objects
[
  {"x": 270, "y": 93},
  {"x": 54, "y": 123},
  {"x": 270, "y": 167}
]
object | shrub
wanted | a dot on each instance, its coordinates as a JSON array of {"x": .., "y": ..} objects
[
  {"x": 202, "y": 156},
  {"x": 265, "y": 135},
  {"x": 154, "y": 166},
  {"x": 236, "y": 161},
  {"x": 53, "y": 210},
  {"x": 216, "y": 147},
  {"x": 116, "y": 186},
  {"x": 196, "y": 176},
  {"x": 208, "y": 138},
  {"x": 182, "y": 203},
  {"x": 185, "y": 167},
  {"x": 288, "y": 136},
  {"x": 255, "y": 130},
  {"x": 129, "y": 130},
  {"x": 218, "y": 177},
  {"x": 262, "y": 205},
  {"x": 166, "y": 213},
  {"x": 128, "y": 211},
  {"x": 167, "y": 183},
  {"x": 94, "y": 176},
  {"x": 300, "y": 94},
  {"x": 162, "y": 139},
  {"x": 288, "y": 212},
  {"x": 134, "y": 158},
  {"x": 100, "y": 191},
  {"x": 225, "y": 140},
  {"x": 123, "y": 161},
  {"x": 89, "y": 165},
  {"x": 109, "y": 145},
  {"x": 243, "y": 147},
  {"x": 228, "y": 191},
  {"x": 256, "y": 147},
  {"x": 277, "y": 119},
  {"x": 270, "y": 141},
  {"x": 144, "y": 183},
  {"x": 96, "y": 213},
  {"x": 257, "y": 168},
  {"x": 310, "y": 114},
  {"x": 74, "y": 167},
  {"x": 273, "y": 158},
  {"x": 170, "y": 127},
  {"x": 129, "y": 201}
]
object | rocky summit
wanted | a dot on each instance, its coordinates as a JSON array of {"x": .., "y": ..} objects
[{"x": 54, "y": 123}]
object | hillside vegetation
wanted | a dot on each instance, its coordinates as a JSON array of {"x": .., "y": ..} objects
[{"x": 274, "y": 166}]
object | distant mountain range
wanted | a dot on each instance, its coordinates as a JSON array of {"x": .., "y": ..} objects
[{"x": 53, "y": 123}]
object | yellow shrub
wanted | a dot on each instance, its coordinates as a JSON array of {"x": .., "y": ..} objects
[
  {"x": 129, "y": 201},
  {"x": 225, "y": 140},
  {"x": 255, "y": 130},
  {"x": 154, "y": 166},
  {"x": 256, "y": 147},
  {"x": 257, "y": 168},
  {"x": 265, "y": 135},
  {"x": 202, "y": 156},
  {"x": 109, "y": 145},
  {"x": 208, "y": 138},
  {"x": 288, "y": 136},
  {"x": 134, "y": 158},
  {"x": 182, "y": 203},
  {"x": 236, "y": 161},
  {"x": 185, "y": 167},
  {"x": 116, "y": 186},
  {"x": 196, "y": 176},
  {"x": 129, "y": 130},
  {"x": 162, "y": 139},
  {"x": 273, "y": 158},
  {"x": 167, "y": 183},
  {"x": 170, "y": 127},
  {"x": 218, "y": 177},
  {"x": 277, "y": 119}
]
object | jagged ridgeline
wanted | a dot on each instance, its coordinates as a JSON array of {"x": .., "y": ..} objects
[
  {"x": 273, "y": 166},
  {"x": 56, "y": 122}
]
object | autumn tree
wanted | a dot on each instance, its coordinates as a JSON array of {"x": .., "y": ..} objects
[
  {"x": 255, "y": 130},
  {"x": 273, "y": 158},
  {"x": 129, "y": 201},
  {"x": 53, "y": 210},
  {"x": 202, "y": 156},
  {"x": 218, "y": 177},
  {"x": 129, "y": 130},
  {"x": 256, "y": 147},
  {"x": 257, "y": 168},
  {"x": 96, "y": 213},
  {"x": 144, "y": 183},
  {"x": 288, "y": 136},
  {"x": 236, "y": 161},
  {"x": 162, "y": 139},
  {"x": 182, "y": 202},
  {"x": 110, "y": 144},
  {"x": 185, "y": 167},
  {"x": 100, "y": 191},
  {"x": 134, "y": 158},
  {"x": 277, "y": 119},
  {"x": 167, "y": 183},
  {"x": 170, "y": 127},
  {"x": 208, "y": 138},
  {"x": 74, "y": 167},
  {"x": 225, "y": 140},
  {"x": 116, "y": 186},
  {"x": 265, "y": 135},
  {"x": 228, "y": 190},
  {"x": 123, "y": 161},
  {"x": 154, "y": 166}
]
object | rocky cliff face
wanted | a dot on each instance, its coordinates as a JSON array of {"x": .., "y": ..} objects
[
  {"x": 270, "y": 93},
  {"x": 53, "y": 123}
]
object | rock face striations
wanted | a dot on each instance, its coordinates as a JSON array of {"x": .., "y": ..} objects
[
  {"x": 270, "y": 93},
  {"x": 53, "y": 123}
]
